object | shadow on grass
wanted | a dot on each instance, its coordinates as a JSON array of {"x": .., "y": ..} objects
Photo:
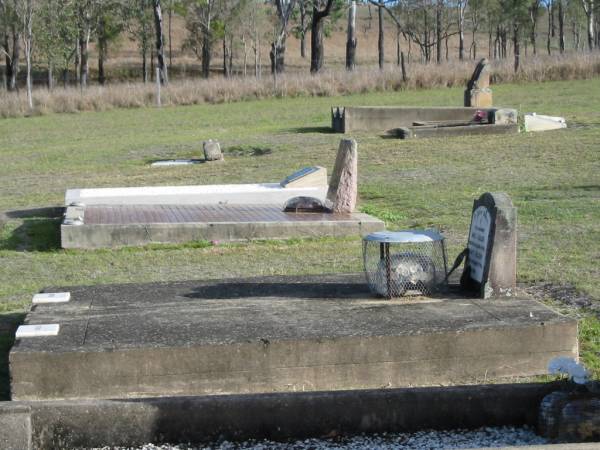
[
  {"x": 305, "y": 130},
  {"x": 52, "y": 212},
  {"x": 241, "y": 150},
  {"x": 181, "y": 161},
  {"x": 34, "y": 235},
  {"x": 8, "y": 324}
]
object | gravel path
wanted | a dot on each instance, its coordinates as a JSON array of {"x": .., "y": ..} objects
[{"x": 423, "y": 440}]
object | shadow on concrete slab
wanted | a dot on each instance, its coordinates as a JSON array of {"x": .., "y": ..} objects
[
  {"x": 222, "y": 291},
  {"x": 8, "y": 324}
]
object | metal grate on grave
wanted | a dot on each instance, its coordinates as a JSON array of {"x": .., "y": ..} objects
[{"x": 401, "y": 262}]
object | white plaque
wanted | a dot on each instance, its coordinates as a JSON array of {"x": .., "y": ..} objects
[
  {"x": 51, "y": 297},
  {"x": 25, "y": 331},
  {"x": 478, "y": 241}
]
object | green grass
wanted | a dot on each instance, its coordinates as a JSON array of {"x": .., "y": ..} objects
[{"x": 553, "y": 178}]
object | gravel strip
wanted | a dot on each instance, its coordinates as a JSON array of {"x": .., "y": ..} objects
[{"x": 425, "y": 440}]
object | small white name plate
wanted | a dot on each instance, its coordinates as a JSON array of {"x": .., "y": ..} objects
[
  {"x": 51, "y": 297},
  {"x": 25, "y": 331}
]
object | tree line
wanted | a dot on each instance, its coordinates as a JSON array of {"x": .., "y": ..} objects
[{"x": 57, "y": 34}]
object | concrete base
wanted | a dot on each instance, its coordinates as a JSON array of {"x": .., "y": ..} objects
[
  {"x": 466, "y": 130},
  {"x": 131, "y": 225},
  {"x": 278, "y": 417},
  {"x": 276, "y": 334},
  {"x": 385, "y": 118}
]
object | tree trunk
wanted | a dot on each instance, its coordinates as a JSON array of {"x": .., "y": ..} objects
[
  {"x": 84, "y": 39},
  {"x": 516, "y": 45},
  {"x": 561, "y": 27},
  {"x": 28, "y": 49},
  {"x": 380, "y": 41},
  {"x": 533, "y": 34},
  {"x": 277, "y": 55},
  {"x": 302, "y": 6},
  {"x": 50, "y": 76},
  {"x": 351, "y": 38},
  {"x": 144, "y": 63},
  {"x": 160, "y": 42},
  {"x": 316, "y": 37},
  {"x": 102, "y": 44},
  {"x": 461, "y": 30},
  {"x": 170, "y": 34},
  {"x": 398, "y": 50},
  {"x": 316, "y": 42},
  {"x": 226, "y": 58},
  {"x": 206, "y": 53},
  {"x": 590, "y": 23},
  {"x": 12, "y": 69},
  {"x": 438, "y": 31}
]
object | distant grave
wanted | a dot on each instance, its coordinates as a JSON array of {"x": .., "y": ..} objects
[
  {"x": 477, "y": 117},
  {"x": 115, "y": 217}
]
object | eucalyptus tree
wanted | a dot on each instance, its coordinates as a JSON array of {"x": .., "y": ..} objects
[
  {"x": 201, "y": 21},
  {"x": 321, "y": 10},
  {"x": 283, "y": 9},
  {"x": 10, "y": 45}
]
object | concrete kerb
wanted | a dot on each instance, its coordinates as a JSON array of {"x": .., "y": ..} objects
[{"x": 279, "y": 417}]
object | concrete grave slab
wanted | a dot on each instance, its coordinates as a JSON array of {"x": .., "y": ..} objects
[
  {"x": 131, "y": 225},
  {"x": 277, "y": 334},
  {"x": 539, "y": 122},
  {"x": 217, "y": 194},
  {"x": 386, "y": 119}
]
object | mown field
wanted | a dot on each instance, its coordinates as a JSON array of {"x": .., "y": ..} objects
[{"x": 553, "y": 178}]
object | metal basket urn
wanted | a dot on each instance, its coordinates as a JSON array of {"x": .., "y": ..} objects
[{"x": 398, "y": 262}]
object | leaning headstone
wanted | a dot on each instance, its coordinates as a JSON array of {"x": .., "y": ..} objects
[
  {"x": 212, "y": 150},
  {"x": 478, "y": 93},
  {"x": 491, "y": 269},
  {"x": 343, "y": 185}
]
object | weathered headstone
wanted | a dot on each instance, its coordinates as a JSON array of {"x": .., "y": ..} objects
[
  {"x": 478, "y": 93},
  {"x": 343, "y": 185},
  {"x": 212, "y": 150},
  {"x": 491, "y": 268}
]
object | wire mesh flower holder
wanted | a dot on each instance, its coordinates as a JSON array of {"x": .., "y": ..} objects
[{"x": 399, "y": 262}]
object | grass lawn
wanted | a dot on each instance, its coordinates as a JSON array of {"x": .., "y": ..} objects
[{"x": 553, "y": 178}]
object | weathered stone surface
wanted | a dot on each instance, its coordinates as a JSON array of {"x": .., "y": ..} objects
[
  {"x": 480, "y": 98},
  {"x": 505, "y": 116},
  {"x": 492, "y": 266},
  {"x": 279, "y": 417},
  {"x": 212, "y": 150},
  {"x": 274, "y": 334},
  {"x": 15, "y": 427},
  {"x": 570, "y": 416},
  {"x": 478, "y": 93},
  {"x": 343, "y": 187}
]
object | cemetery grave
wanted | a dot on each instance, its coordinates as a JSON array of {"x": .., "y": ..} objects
[
  {"x": 282, "y": 334},
  {"x": 116, "y": 217},
  {"x": 477, "y": 117}
]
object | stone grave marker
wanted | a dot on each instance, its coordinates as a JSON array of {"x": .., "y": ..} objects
[
  {"x": 478, "y": 93},
  {"x": 492, "y": 247},
  {"x": 212, "y": 150},
  {"x": 343, "y": 186}
]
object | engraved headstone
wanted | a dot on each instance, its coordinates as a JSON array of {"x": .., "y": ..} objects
[
  {"x": 212, "y": 150},
  {"x": 492, "y": 262}
]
